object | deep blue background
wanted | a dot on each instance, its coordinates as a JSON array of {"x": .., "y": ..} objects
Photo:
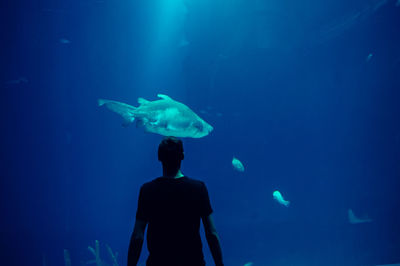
[{"x": 287, "y": 85}]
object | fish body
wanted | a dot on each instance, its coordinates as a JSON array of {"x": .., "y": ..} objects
[
  {"x": 237, "y": 165},
  {"x": 279, "y": 198},
  {"x": 64, "y": 41},
  {"x": 353, "y": 219},
  {"x": 17, "y": 81},
  {"x": 165, "y": 116}
]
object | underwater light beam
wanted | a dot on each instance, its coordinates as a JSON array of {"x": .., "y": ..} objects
[{"x": 165, "y": 36}]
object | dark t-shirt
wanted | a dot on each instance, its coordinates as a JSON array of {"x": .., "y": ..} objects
[{"x": 173, "y": 208}]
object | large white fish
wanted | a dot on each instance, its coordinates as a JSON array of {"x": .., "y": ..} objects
[
  {"x": 279, "y": 198},
  {"x": 165, "y": 116}
]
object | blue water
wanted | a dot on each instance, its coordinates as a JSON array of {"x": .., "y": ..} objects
[{"x": 305, "y": 93}]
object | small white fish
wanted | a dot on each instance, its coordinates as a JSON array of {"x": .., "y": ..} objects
[
  {"x": 248, "y": 264},
  {"x": 64, "y": 41},
  {"x": 279, "y": 198},
  {"x": 17, "y": 81},
  {"x": 353, "y": 219},
  {"x": 369, "y": 57},
  {"x": 237, "y": 165}
]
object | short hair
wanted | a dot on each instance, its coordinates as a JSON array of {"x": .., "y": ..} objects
[{"x": 170, "y": 149}]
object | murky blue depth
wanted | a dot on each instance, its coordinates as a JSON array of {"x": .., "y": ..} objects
[{"x": 304, "y": 94}]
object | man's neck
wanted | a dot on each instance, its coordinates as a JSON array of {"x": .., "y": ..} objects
[{"x": 174, "y": 175}]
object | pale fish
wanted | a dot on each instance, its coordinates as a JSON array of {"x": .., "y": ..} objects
[
  {"x": 165, "y": 116},
  {"x": 353, "y": 219},
  {"x": 279, "y": 198},
  {"x": 64, "y": 41},
  {"x": 237, "y": 165}
]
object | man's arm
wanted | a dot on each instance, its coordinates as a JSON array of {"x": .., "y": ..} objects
[
  {"x": 136, "y": 243},
  {"x": 213, "y": 239}
]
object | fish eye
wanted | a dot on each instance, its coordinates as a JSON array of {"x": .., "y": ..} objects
[{"x": 198, "y": 126}]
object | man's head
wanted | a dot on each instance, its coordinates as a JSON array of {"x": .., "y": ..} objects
[{"x": 170, "y": 153}]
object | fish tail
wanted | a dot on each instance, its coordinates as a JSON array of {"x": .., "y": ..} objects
[
  {"x": 125, "y": 110},
  {"x": 101, "y": 102}
]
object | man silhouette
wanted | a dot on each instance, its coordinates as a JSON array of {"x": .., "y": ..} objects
[{"x": 172, "y": 206}]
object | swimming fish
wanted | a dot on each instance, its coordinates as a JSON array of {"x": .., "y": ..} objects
[
  {"x": 248, "y": 264},
  {"x": 64, "y": 41},
  {"x": 355, "y": 220},
  {"x": 279, "y": 198},
  {"x": 369, "y": 57},
  {"x": 237, "y": 165},
  {"x": 165, "y": 116},
  {"x": 17, "y": 81}
]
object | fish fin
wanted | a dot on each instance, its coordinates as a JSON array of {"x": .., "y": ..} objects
[
  {"x": 101, "y": 102},
  {"x": 353, "y": 219},
  {"x": 158, "y": 123},
  {"x": 125, "y": 110},
  {"x": 163, "y": 96},
  {"x": 141, "y": 122},
  {"x": 142, "y": 101}
]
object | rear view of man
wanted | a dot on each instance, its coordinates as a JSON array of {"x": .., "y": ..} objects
[{"x": 172, "y": 206}]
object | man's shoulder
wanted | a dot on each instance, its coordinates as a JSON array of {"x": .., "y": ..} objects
[
  {"x": 194, "y": 181},
  {"x": 186, "y": 180},
  {"x": 151, "y": 183}
]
